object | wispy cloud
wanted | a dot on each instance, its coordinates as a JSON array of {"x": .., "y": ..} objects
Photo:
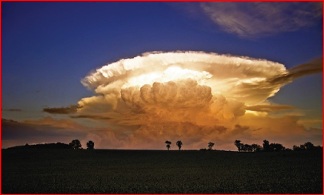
[{"x": 259, "y": 19}]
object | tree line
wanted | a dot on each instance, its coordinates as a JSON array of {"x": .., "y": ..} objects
[
  {"x": 74, "y": 144},
  {"x": 272, "y": 147},
  {"x": 266, "y": 146},
  {"x": 241, "y": 147},
  {"x": 179, "y": 145}
]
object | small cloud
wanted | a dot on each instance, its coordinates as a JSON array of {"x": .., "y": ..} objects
[
  {"x": 62, "y": 110},
  {"x": 308, "y": 122},
  {"x": 96, "y": 117},
  {"x": 262, "y": 19},
  {"x": 242, "y": 131},
  {"x": 13, "y": 110},
  {"x": 269, "y": 108}
]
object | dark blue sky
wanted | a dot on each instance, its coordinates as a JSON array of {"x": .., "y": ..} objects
[{"x": 49, "y": 47}]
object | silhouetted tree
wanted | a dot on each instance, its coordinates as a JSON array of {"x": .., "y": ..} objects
[
  {"x": 90, "y": 145},
  {"x": 210, "y": 145},
  {"x": 318, "y": 148},
  {"x": 168, "y": 144},
  {"x": 266, "y": 145},
  {"x": 280, "y": 147},
  {"x": 239, "y": 145},
  {"x": 75, "y": 144},
  {"x": 309, "y": 146},
  {"x": 256, "y": 147},
  {"x": 276, "y": 147},
  {"x": 248, "y": 148},
  {"x": 296, "y": 148},
  {"x": 179, "y": 144},
  {"x": 302, "y": 147}
]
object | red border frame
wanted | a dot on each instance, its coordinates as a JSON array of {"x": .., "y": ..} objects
[{"x": 139, "y": 1}]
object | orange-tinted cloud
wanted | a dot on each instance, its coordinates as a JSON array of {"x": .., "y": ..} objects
[
  {"x": 269, "y": 108},
  {"x": 193, "y": 96},
  {"x": 284, "y": 129}
]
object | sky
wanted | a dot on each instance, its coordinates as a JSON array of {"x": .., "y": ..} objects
[{"x": 133, "y": 75}]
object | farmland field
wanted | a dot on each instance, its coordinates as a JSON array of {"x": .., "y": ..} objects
[{"x": 145, "y": 171}]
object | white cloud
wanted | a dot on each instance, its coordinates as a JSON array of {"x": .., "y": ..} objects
[
  {"x": 193, "y": 96},
  {"x": 261, "y": 19}
]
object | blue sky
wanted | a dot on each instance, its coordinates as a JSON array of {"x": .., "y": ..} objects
[{"x": 48, "y": 48}]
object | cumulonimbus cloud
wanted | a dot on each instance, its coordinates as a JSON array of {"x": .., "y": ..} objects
[
  {"x": 255, "y": 19},
  {"x": 225, "y": 74},
  {"x": 177, "y": 86},
  {"x": 183, "y": 95}
]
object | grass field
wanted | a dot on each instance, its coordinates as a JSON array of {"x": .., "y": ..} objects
[{"x": 126, "y": 171}]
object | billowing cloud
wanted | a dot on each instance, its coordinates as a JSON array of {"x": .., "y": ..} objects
[
  {"x": 224, "y": 74},
  {"x": 193, "y": 96},
  {"x": 261, "y": 19},
  {"x": 179, "y": 87}
]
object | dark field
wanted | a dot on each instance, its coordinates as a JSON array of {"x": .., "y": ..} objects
[{"x": 118, "y": 171}]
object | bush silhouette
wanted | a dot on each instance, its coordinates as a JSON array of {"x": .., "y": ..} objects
[
  {"x": 75, "y": 144},
  {"x": 90, "y": 145},
  {"x": 179, "y": 144},
  {"x": 238, "y": 144},
  {"x": 168, "y": 144},
  {"x": 210, "y": 145},
  {"x": 266, "y": 145}
]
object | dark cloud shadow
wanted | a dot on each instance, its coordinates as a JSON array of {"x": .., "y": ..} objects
[
  {"x": 62, "y": 110},
  {"x": 13, "y": 110}
]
